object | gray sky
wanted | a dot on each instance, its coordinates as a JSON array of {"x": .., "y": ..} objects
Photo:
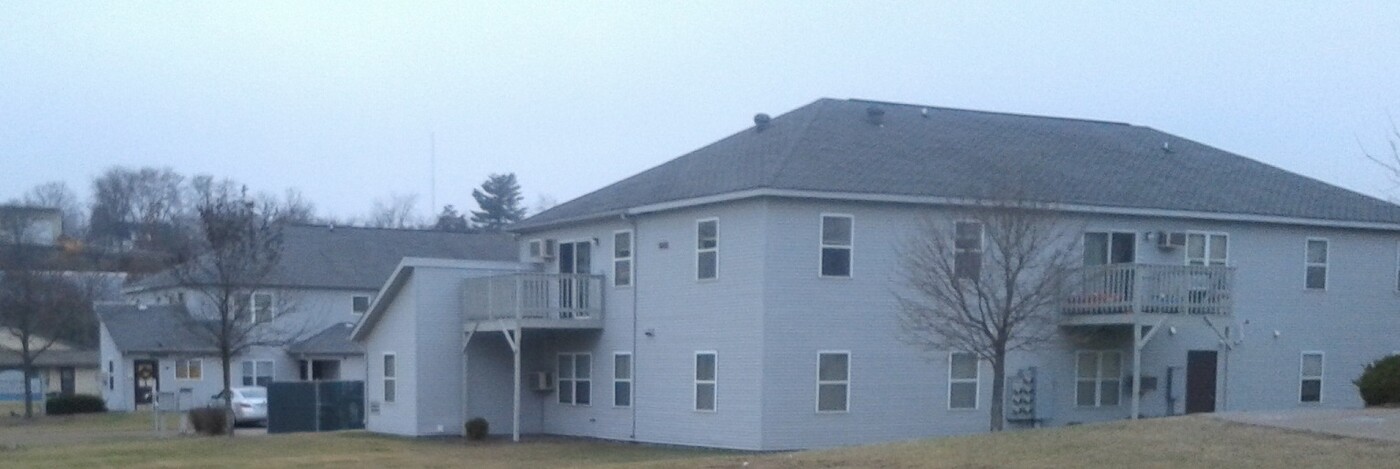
[{"x": 339, "y": 98}]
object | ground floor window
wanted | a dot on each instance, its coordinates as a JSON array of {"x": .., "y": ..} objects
[
  {"x": 622, "y": 379},
  {"x": 1099, "y": 378},
  {"x": 390, "y": 377},
  {"x": 1311, "y": 377},
  {"x": 191, "y": 369},
  {"x": 257, "y": 372},
  {"x": 706, "y": 374},
  {"x": 318, "y": 370},
  {"x": 833, "y": 381},
  {"x": 575, "y": 378},
  {"x": 962, "y": 380}
]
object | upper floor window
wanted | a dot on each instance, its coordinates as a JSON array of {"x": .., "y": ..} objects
[
  {"x": 707, "y": 249},
  {"x": 257, "y": 305},
  {"x": 968, "y": 243},
  {"x": 359, "y": 304},
  {"x": 1310, "y": 375},
  {"x": 1098, "y": 378},
  {"x": 833, "y": 381},
  {"x": 836, "y": 245},
  {"x": 1207, "y": 248},
  {"x": 1316, "y": 264},
  {"x": 962, "y": 380},
  {"x": 622, "y": 258},
  {"x": 1109, "y": 248}
]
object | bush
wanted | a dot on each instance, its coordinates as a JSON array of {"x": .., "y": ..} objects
[
  {"x": 477, "y": 429},
  {"x": 74, "y": 404},
  {"x": 1380, "y": 382},
  {"x": 209, "y": 420}
]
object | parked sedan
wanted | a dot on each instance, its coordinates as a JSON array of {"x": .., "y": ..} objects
[{"x": 249, "y": 404}]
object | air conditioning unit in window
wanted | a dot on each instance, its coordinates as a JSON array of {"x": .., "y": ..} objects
[
  {"x": 541, "y": 381},
  {"x": 542, "y": 250},
  {"x": 1171, "y": 240}
]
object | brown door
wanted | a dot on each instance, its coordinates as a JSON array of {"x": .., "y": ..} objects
[{"x": 1200, "y": 381}]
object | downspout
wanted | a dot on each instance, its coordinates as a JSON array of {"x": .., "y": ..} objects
[{"x": 636, "y": 254}]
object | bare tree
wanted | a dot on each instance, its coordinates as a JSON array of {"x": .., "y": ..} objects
[
  {"x": 1389, "y": 162},
  {"x": 57, "y": 195},
  {"x": 984, "y": 281},
  {"x": 36, "y": 304},
  {"x": 395, "y": 212},
  {"x": 239, "y": 248},
  {"x": 144, "y": 206},
  {"x": 543, "y": 202}
]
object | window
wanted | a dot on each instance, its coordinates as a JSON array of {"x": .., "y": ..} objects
[
  {"x": 256, "y": 304},
  {"x": 111, "y": 376},
  {"x": 1101, "y": 248},
  {"x": 1098, "y": 379},
  {"x": 705, "y": 382},
  {"x": 1311, "y": 377},
  {"x": 359, "y": 304},
  {"x": 622, "y": 379},
  {"x": 707, "y": 249},
  {"x": 962, "y": 380},
  {"x": 390, "y": 377},
  {"x": 1316, "y": 264},
  {"x": 836, "y": 245},
  {"x": 622, "y": 258},
  {"x": 257, "y": 372},
  {"x": 192, "y": 369},
  {"x": 967, "y": 242},
  {"x": 1206, "y": 248},
  {"x": 833, "y": 381},
  {"x": 575, "y": 378}
]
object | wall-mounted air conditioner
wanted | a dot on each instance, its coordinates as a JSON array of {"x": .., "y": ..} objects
[
  {"x": 541, "y": 381},
  {"x": 542, "y": 249},
  {"x": 1171, "y": 240}
]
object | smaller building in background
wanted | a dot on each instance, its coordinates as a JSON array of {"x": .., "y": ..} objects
[{"x": 42, "y": 226}]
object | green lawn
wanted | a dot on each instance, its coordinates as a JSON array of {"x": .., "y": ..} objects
[{"x": 1175, "y": 442}]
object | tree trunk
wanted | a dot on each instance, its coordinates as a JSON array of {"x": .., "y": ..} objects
[
  {"x": 999, "y": 390},
  {"x": 226, "y": 360},
  {"x": 28, "y": 373}
]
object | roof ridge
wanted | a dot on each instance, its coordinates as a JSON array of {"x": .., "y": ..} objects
[
  {"x": 1000, "y": 113},
  {"x": 796, "y": 139}
]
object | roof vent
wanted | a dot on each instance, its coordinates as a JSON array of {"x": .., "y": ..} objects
[
  {"x": 924, "y": 112},
  {"x": 875, "y": 115},
  {"x": 1166, "y": 147},
  {"x": 760, "y": 121}
]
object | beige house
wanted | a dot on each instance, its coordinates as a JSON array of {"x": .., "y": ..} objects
[{"x": 61, "y": 369}]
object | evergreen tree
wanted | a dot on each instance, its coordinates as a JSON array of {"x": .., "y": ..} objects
[
  {"x": 499, "y": 199},
  {"x": 450, "y": 220}
]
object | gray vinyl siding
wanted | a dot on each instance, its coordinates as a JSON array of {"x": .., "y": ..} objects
[
  {"x": 118, "y": 396},
  {"x": 396, "y": 332}
]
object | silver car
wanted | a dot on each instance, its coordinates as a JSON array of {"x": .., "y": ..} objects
[{"x": 249, "y": 404}]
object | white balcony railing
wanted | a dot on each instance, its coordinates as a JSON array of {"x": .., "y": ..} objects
[
  {"x": 561, "y": 297},
  {"x": 1144, "y": 288}
]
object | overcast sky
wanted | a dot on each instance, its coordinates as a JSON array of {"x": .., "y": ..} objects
[{"x": 339, "y": 99}]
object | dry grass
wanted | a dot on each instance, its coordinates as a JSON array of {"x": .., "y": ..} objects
[{"x": 1177, "y": 442}]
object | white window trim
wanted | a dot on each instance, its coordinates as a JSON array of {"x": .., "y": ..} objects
[
  {"x": 695, "y": 374},
  {"x": 1098, "y": 378},
  {"x": 976, "y": 382},
  {"x": 270, "y": 364},
  {"x": 1084, "y": 242},
  {"x": 847, "y": 382},
  {"x": 187, "y": 362},
  {"x": 1321, "y": 377},
  {"x": 531, "y": 244},
  {"x": 1326, "y": 264},
  {"x": 631, "y": 254},
  {"x": 369, "y": 301},
  {"x": 981, "y": 243},
  {"x": 631, "y": 389},
  {"x": 574, "y": 379},
  {"x": 558, "y": 259},
  {"x": 698, "y": 250},
  {"x": 822, "y": 246},
  {"x": 386, "y": 379},
  {"x": 253, "y": 306},
  {"x": 1186, "y": 252}
]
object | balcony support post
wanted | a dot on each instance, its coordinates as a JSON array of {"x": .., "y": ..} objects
[{"x": 1137, "y": 368}]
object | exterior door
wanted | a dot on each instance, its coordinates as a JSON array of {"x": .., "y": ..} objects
[
  {"x": 1200, "y": 381},
  {"x": 67, "y": 381},
  {"x": 147, "y": 379},
  {"x": 574, "y": 258}
]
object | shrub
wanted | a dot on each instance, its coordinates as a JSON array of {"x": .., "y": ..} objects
[
  {"x": 1380, "y": 382},
  {"x": 477, "y": 429},
  {"x": 74, "y": 404},
  {"x": 209, "y": 420}
]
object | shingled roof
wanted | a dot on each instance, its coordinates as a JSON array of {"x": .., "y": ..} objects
[
  {"x": 151, "y": 328},
  {"x": 843, "y": 147},
  {"x": 320, "y": 256},
  {"x": 334, "y": 340}
]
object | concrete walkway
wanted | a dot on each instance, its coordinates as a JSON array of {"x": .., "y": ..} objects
[{"x": 1375, "y": 424}]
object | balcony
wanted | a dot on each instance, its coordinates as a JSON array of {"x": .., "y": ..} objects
[
  {"x": 1115, "y": 294},
  {"x": 533, "y": 301}
]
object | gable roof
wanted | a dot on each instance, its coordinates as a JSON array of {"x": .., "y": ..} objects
[
  {"x": 151, "y": 328},
  {"x": 334, "y": 340},
  {"x": 834, "y": 147},
  {"x": 320, "y": 256}
]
